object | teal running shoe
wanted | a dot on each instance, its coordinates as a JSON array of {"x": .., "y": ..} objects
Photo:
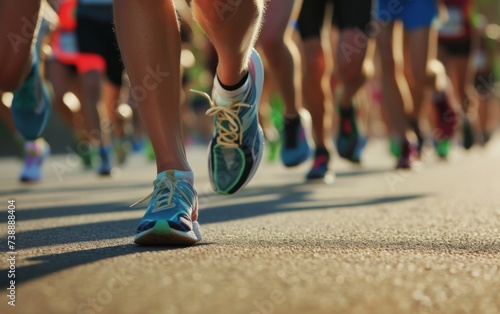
[
  {"x": 295, "y": 148},
  {"x": 172, "y": 213},
  {"x": 31, "y": 106},
  {"x": 237, "y": 146}
]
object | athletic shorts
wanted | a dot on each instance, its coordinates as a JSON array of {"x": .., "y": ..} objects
[
  {"x": 414, "y": 14},
  {"x": 96, "y": 37},
  {"x": 65, "y": 50},
  {"x": 347, "y": 14},
  {"x": 458, "y": 49}
]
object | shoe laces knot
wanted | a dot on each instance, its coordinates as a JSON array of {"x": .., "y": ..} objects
[{"x": 228, "y": 122}]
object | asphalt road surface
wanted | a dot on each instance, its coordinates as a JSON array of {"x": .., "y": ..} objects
[{"x": 376, "y": 241}]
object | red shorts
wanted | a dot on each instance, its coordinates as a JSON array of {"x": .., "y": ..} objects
[{"x": 64, "y": 49}]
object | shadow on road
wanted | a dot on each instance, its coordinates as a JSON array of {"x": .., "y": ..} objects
[
  {"x": 360, "y": 171},
  {"x": 290, "y": 198},
  {"x": 26, "y": 188},
  {"x": 73, "y": 210},
  {"x": 52, "y": 263},
  {"x": 277, "y": 199},
  {"x": 268, "y": 200}
]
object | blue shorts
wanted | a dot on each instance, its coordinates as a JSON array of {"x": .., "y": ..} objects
[{"x": 414, "y": 14}]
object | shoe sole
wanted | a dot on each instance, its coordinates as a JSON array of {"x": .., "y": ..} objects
[
  {"x": 29, "y": 180},
  {"x": 104, "y": 174},
  {"x": 162, "y": 234}
]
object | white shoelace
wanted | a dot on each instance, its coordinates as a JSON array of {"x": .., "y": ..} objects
[
  {"x": 232, "y": 134},
  {"x": 160, "y": 185}
]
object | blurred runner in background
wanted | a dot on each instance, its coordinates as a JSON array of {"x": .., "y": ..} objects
[
  {"x": 409, "y": 72},
  {"x": 95, "y": 35},
  {"x": 486, "y": 62},
  {"x": 352, "y": 19},
  {"x": 457, "y": 43},
  {"x": 283, "y": 62}
]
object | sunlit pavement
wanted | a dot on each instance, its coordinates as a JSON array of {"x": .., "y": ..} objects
[{"x": 376, "y": 241}]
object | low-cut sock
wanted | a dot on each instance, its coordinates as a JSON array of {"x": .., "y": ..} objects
[
  {"x": 226, "y": 95},
  {"x": 238, "y": 85}
]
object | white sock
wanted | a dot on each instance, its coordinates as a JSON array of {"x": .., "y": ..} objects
[{"x": 223, "y": 97}]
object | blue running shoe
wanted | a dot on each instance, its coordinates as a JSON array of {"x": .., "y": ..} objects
[
  {"x": 350, "y": 143},
  {"x": 35, "y": 152},
  {"x": 138, "y": 144},
  {"x": 31, "y": 106},
  {"x": 105, "y": 154},
  {"x": 172, "y": 213},
  {"x": 319, "y": 170},
  {"x": 295, "y": 148},
  {"x": 238, "y": 143}
]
